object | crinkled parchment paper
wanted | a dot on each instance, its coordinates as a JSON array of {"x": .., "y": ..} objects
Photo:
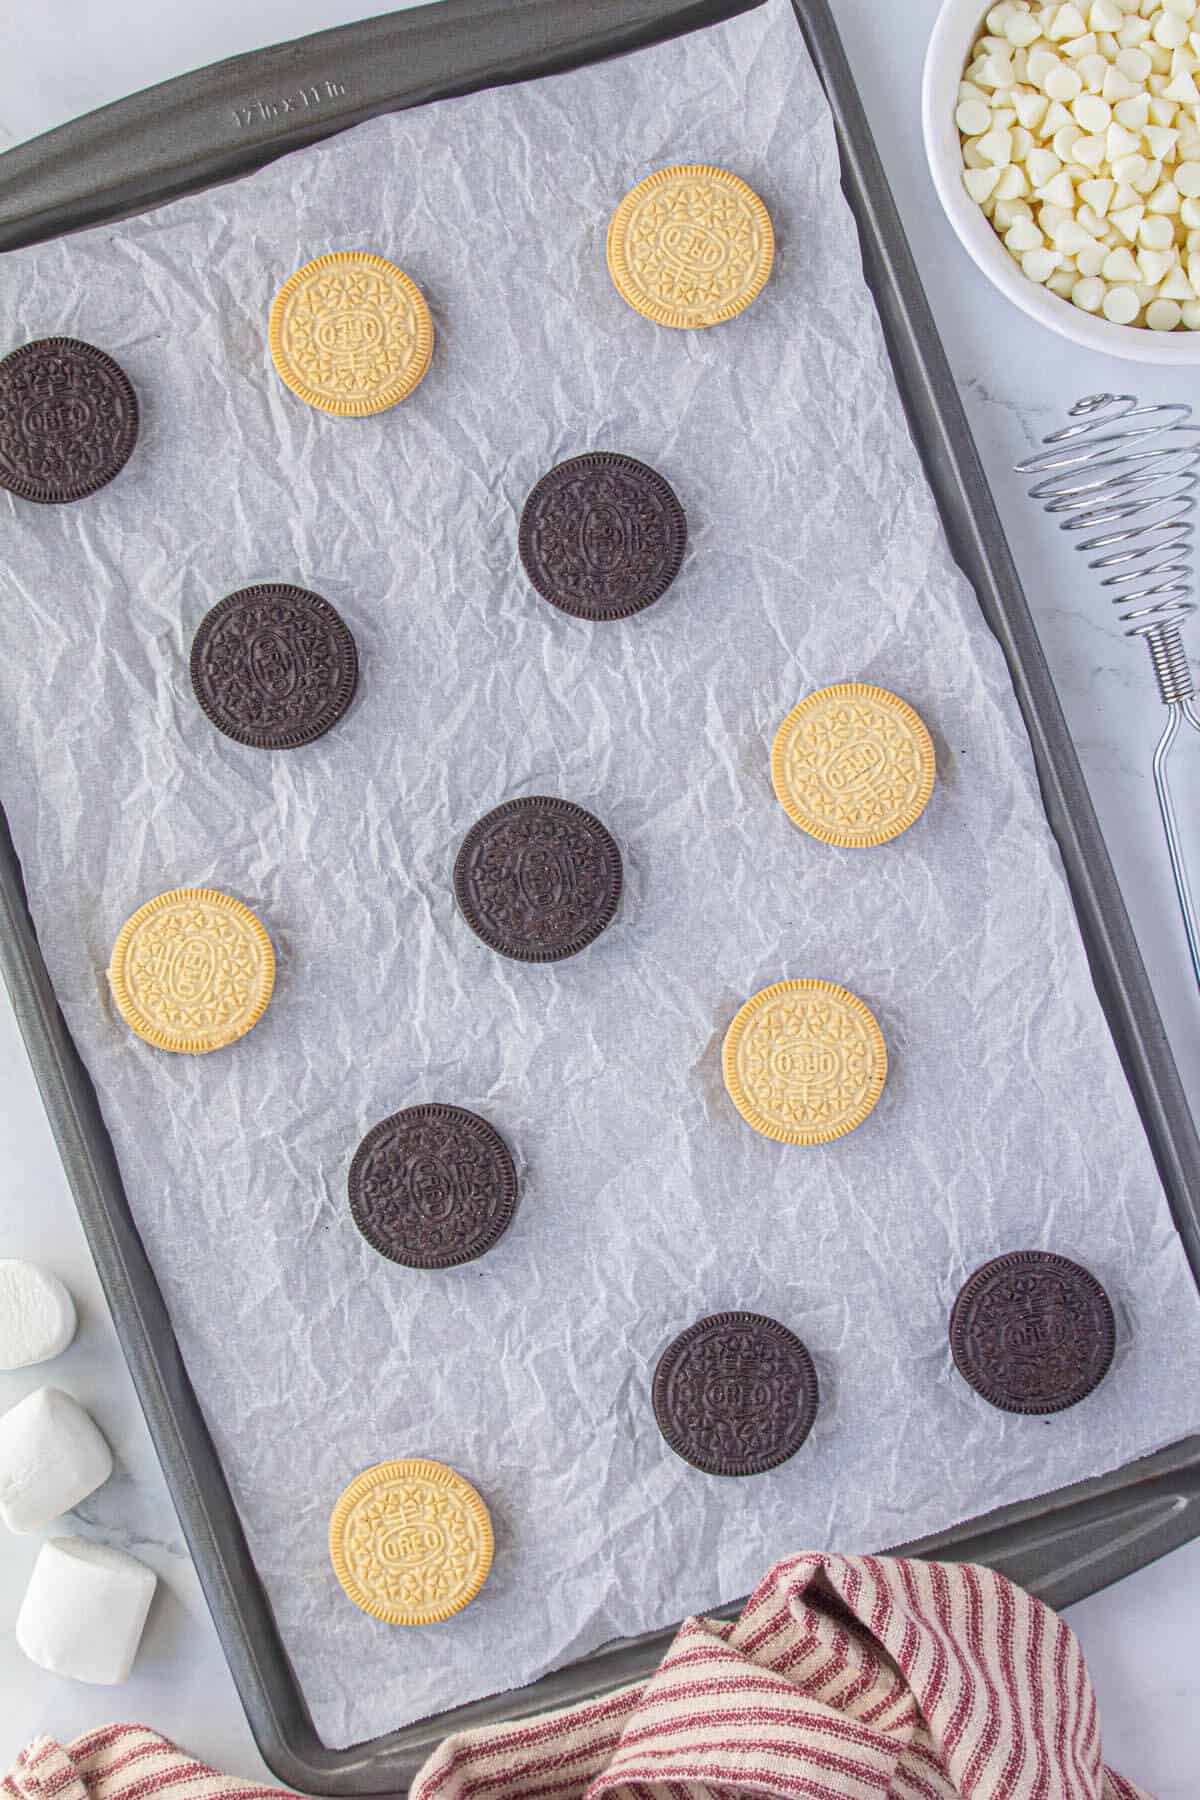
[{"x": 815, "y": 555}]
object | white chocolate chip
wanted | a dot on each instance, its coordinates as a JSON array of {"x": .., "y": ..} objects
[
  {"x": 994, "y": 72},
  {"x": 1177, "y": 286},
  {"x": 972, "y": 117},
  {"x": 1191, "y": 315},
  {"x": 1012, "y": 183},
  {"x": 1105, "y": 16},
  {"x": 1060, "y": 191},
  {"x": 1090, "y": 152},
  {"x": 1040, "y": 264},
  {"x": 1062, "y": 83},
  {"x": 1068, "y": 22},
  {"x": 1092, "y": 221},
  {"x": 1171, "y": 32},
  {"x": 1156, "y": 232},
  {"x": 1121, "y": 306},
  {"x": 1119, "y": 142},
  {"x": 1023, "y": 235},
  {"x": 980, "y": 182},
  {"x": 1022, "y": 30},
  {"x": 1098, "y": 194},
  {"x": 1089, "y": 293},
  {"x": 1127, "y": 220},
  {"x": 996, "y": 147},
  {"x": 1120, "y": 265},
  {"x": 1117, "y": 86},
  {"x": 1092, "y": 112},
  {"x": 1041, "y": 60},
  {"x": 1134, "y": 31},
  {"x": 1163, "y": 315},
  {"x": 1134, "y": 113},
  {"x": 1070, "y": 237},
  {"x": 1155, "y": 264},
  {"x": 1042, "y": 166},
  {"x": 1090, "y": 262},
  {"x": 1134, "y": 64},
  {"x": 1031, "y": 109},
  {"x": 1187, "y": 180}
]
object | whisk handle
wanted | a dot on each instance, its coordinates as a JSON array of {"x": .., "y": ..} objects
[{"x": 1177, "y": 715}]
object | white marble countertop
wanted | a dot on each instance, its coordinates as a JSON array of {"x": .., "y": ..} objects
[{"x": 57, "y": 60}]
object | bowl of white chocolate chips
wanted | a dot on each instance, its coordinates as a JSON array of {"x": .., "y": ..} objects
[{"x": 1064, "y": 142}]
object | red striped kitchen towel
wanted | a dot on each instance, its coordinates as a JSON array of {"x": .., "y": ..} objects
[{"x": 845, "y": 1678}]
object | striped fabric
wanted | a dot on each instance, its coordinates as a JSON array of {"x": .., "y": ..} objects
[
  {"x": 845, "y": 1678},
  {"x": 121, "y": 1762}
]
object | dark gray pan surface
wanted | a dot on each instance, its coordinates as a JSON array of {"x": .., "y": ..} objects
[{"x": 225, "y": 120}]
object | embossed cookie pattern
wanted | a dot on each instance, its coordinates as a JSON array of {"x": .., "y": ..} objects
[
  {"x": 351, "y": 333},
  {"x": 853, "y": 765},
  {"x": 192, "y": 970},
  {"x": 804, "y": 1061},
  {"x": 411, "y": 1542},
  {"x": 690, "y": 246}
]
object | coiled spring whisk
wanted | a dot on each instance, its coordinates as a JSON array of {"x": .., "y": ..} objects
[{"x": 1126, "y": 476}]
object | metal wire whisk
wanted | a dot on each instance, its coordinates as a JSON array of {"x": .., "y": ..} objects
[{"x": 1133, "y": 491}]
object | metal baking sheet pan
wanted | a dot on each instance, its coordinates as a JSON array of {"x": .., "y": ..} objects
[{"x": 225, "y": 120}]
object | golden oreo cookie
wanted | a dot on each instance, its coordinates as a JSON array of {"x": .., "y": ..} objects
[
  {"x": 192, "y": 970},
  {"x": 411, "y": 1542},
  {"x": 690, "y": 246},
  {"x": 853, "y": 765},
  {"x": 350, "y": 333},
  {"x": 804, "y": 1062}
]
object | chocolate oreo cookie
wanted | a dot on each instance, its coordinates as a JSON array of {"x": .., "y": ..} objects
[
  {"x": 68, "y": 420},
  {"x": 432, "y": 1187},
  {"x": 735, "y": 1394},
  {"x": 1032, "y": 1332},
  {"x": 602, "y": 536},
  {"x": 274, "y": 666},
  {"x": 538, "y": 879}
]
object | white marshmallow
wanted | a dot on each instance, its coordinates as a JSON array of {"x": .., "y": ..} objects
[
  {"x": 51, "y": 1457},
  {"x": 37, "y": 1315},
  {"x": 84, "y": 1611}
]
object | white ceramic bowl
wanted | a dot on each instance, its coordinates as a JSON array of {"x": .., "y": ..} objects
[{"x": 957, "y": 26}]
